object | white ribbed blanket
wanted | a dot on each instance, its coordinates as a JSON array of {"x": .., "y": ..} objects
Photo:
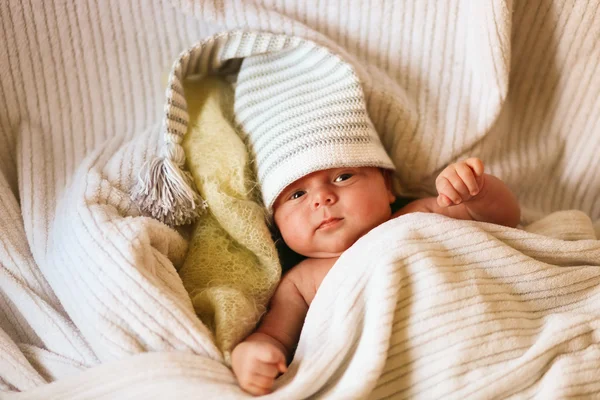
[{"x": 423, "y": 306}]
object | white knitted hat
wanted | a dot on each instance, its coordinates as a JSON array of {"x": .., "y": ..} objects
[
  {"x": 303, "y": 110},
  {"x": 301, "y": 107}
]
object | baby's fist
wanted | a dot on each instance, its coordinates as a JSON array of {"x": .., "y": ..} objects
[
  {"x": 256, "y": 364},
  {"x": 459, "y": 182}
]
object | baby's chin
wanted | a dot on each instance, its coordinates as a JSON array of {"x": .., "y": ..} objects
[
  {"x": 330, "y": 250},
  {"x": 323, "y": 254}
]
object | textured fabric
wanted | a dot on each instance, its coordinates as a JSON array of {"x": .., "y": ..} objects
[
  {"x": 303, "y": 111},
  {"x": 424, "y": 306},
  {"x": 89, "y": 295},
  {"x": 300, "y": 107},
  {"x": 231, "y": 268}
]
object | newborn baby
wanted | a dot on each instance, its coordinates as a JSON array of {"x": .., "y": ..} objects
[
  {"x": 325, "y": 178},
  {"x": 320, "y": 216}
]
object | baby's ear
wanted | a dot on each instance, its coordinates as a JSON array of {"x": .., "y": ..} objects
[{"x": 387, "y": 177}]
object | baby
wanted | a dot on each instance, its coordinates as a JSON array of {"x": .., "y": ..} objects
[
  {"x": 320, "y": 216},
  {"x": 325, "y": 178}
]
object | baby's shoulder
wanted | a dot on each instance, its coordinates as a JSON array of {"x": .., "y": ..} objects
[
  {"x": 301, "y": 271},
  {"x": 306, "y": 276},
  {"x": 310, "y": 271}
]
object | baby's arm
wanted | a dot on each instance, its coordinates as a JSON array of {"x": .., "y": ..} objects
[
  {"x": 264, "y": 354},
  {"x": 466, "y": 192}
]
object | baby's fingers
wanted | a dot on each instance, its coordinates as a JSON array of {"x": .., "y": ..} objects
[
  {"x": 262, "y": 381},
  {"x": 257, "y": 390},
  {"x": 447, "y": 193},
  {"x": 444, "y": 201},
  {"x": 268, "y": 370},
  {"x": 476, "y": 165},
  {"x": 449, "y": 179},
  {"x": 271, "y": 355},
  {"x": 468, "y": 177},
  {"x": 282, "y": 366}
]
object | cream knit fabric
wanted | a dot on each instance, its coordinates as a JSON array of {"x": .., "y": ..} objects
[
  {"x": 231, "y": 268},
  {"x": 425, "y": 307},
  {"x": 303, "y": 110}
]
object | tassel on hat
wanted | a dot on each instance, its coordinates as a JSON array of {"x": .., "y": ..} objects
[
  {"x": 165, "y": 190},
  {"x": 300, "y": 107}
]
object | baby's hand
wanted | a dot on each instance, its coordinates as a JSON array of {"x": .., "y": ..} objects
[
  {"x": 256, "y": 364},
  {"x": 459, "y": 182}
]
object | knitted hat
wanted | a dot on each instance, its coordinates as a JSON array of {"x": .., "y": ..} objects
[
  {"x": 303, "y": 110},
  {"x": 301, "y": 107}
]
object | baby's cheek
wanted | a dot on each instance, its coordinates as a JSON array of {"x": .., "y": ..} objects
[
  {"x": 376, "y": 214},
  {"x": 296, "y": 235}
]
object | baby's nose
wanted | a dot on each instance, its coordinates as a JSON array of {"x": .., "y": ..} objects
[{"x": 323, "y": 197}]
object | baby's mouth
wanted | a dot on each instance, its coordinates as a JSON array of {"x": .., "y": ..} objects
[{"x": 329, "y": 223}]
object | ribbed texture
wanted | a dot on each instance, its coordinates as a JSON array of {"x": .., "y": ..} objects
[
  {"x": 423, "y": 307},
  {"x": 303, "y": 110},
  {"x": 437, "y": 308},
  {"x": 70, "y": 88}
]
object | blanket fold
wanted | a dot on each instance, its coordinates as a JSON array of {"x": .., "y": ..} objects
[{"x": 91, "y": 303}]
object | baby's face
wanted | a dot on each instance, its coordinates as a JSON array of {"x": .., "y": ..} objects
[{"x": 324, "y": 213}]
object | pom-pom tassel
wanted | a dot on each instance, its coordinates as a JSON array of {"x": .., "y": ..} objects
[{"x": 166, "y": 192}]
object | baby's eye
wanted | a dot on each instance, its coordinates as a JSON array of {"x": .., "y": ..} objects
[
  {"x": 297, "y": 194},
  {"x": 343, "y": 177}
]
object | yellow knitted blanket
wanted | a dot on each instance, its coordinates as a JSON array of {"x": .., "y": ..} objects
[{"x": 232, "y": 267}]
